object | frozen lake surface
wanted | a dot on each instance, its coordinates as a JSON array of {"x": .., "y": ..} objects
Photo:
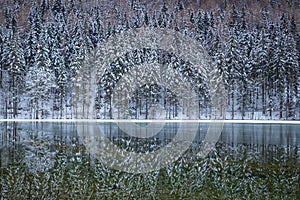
[{"x": 50, "y": 160}]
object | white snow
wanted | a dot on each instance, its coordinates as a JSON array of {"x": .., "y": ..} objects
[{"x": 152, "y": 120}]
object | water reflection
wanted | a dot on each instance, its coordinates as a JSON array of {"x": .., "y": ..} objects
[{"x": 49, "y": 160}]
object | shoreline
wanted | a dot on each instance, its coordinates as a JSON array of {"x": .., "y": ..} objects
[{"x": 156, "y": 121}]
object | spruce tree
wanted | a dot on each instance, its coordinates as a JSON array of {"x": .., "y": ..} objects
[
  {"x": 58, "y": 48},
  {"x": 232, "y": 63},
  {"x": 40, "y": 79},
  {"x": 15, "y": 66}
]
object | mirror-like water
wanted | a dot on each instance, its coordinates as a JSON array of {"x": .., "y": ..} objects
[{"x": 48, "y": 160}]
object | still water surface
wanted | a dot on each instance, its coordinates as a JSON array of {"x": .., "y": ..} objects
[{"x": 48, "y": 160}]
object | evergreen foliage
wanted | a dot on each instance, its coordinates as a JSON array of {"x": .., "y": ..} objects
[{"x": 258, "y": 59}]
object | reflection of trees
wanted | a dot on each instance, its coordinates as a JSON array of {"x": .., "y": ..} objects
[
  {"x": 46, "y": 161},
  {"x": 10, "y": 146}
]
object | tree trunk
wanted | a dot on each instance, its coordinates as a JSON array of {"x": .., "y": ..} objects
[
  {"x": 232, "y": 100},
  {"x": 136, "y": 104},
  {"x": 287, "y": 113},
  {"x": 146, "y": 108},
  {"x": 61, "y": 106},
  {"x": 43, "y": 109},
  {"x": 263, "y": 98},
  {"x": 252, "y": 106},
  {"x": 14, "y": 99},
  {"x": 36, "y": 109},
  {"x": 6, "y": 108},
  {"x": 110, "y": 107},
  {"x": 243, "y": 107},
  {"x": 281, "y": 105},
  {"x": 199, "y": 106}
]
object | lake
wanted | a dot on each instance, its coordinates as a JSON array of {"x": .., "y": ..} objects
[{"x": 55, "y": 160}]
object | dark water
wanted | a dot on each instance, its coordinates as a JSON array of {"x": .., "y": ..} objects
[{"x": 48, "y": 160}]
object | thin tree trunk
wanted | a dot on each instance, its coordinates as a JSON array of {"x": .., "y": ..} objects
[
  {"x": 119, "y": 107},
  {"x": 146, "y": 108},
  {"x": 252, "y": 106},
  {"x": 232, "y": 100},
  {"x": 287, "y": 113},
  {"x": 110, "y": 107},
  {"x": 270, "y": 111},
  {"x": 36, "y": 109},
  {"x": 281, "y": 106},
  {"x": 243, "y": 107},
  {"x": 199, "y": 106},
  {"x": 263, "y": 99},
  {"x": 43, "y": 109},
  {"x": 14, "y": 100},
  {"x": 61, "y": 106},
  {"x": 136, "y": 104},
  {"x": 6, "y": 108}
]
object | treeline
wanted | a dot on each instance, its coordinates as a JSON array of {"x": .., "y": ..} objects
[{"x": 259, "y": 60}]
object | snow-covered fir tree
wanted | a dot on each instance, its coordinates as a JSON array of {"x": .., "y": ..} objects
[
  {"x": 40, "y": 79},
  {"x": 256, "y": 53},
  {"x": 14, "y": 65}
]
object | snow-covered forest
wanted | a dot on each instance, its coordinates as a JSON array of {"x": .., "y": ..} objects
[{"x": 254, "y": 44}]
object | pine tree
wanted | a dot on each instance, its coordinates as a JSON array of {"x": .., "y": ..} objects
[
  {"x": 279, "y": 70},
  {"x": 255, "y": 72},
  {"x": 58, "y": 7},
  {"x": 1, "y": 60},
  {"x": 94, "y": 29},
  {"x": 259, "y": 60},
  {"x": 261, "y": 57},
  {"x": 232, "y": 62},
  {"x": 40, "y": 78},
  {"x": 32, "y": 37},
  {"x": 2, "y": 75},
  {"x": 244, "y": 68},
  {"x": 58, "y": 49},
  {"x": 15, "y": 66},
  {"x": 44, "y": 5},
  {"x": 179, "y": 5},
  {"x": 269, "y": 73},
  {"x": 292, "y": 71},
  {"x": 218, "y": 57},
  {"x": 80, "y": 46}
]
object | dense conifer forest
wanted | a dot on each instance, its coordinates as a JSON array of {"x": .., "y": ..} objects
[{"x": 254, "y": 44}]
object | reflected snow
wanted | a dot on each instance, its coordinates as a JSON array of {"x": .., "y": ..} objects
[{"x": 49, "y": 160}]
